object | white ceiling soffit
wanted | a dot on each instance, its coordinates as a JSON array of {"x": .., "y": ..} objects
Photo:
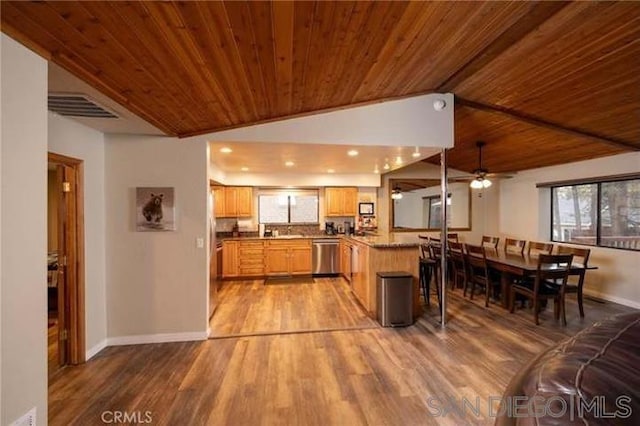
[
  {"x": 260, "y": 157},
  {"x": 425, "y": 121}
]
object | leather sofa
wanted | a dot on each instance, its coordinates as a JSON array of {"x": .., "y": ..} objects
[{"x": 592, "y": 378}]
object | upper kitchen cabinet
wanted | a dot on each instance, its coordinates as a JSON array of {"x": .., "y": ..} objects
[
  {"x": 233, "y": 201},
  {"x": 341, "y": 201}
]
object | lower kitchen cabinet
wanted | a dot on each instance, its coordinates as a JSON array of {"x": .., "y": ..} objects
[
  {"x": 242, "y": 258},
  {"x": 360, "y": 282},
  {"x": 345, "y": 259},
  {"x": 288, "y": 257},
  {"x": 229, "y": 259}
]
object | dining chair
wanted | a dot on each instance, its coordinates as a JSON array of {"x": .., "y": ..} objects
[
  {"x": 490, "y": 242},
  {"x": 459, "y": 265},
  {"x": 536, "y": 248},
  {"x": 514, "y": 246},
  {"x": 548, "y": 283},
  {"x": 478, "y": 271},
  {"x": 581, "y": 256},
  {"x": 453, "y": 236}
]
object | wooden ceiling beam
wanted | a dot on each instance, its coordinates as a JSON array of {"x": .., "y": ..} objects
[
  {"x": 547, "y": 124},
  {"x": 538, "y": 14}
]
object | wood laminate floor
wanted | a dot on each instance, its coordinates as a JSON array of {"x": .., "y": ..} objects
[
  {"x": 251, "y": 307},
  {"x": 376, "y": 376}
]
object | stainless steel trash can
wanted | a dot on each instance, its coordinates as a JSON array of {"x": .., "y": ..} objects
[{"x": 395, "y": 298}]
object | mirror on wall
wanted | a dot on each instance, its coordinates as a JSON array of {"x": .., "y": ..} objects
[{"x": 417, "y": 208}]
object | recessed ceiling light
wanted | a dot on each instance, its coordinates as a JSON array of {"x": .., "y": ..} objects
[
  {"x": 398, "y": 160},
  {"x": 330, "y": 171},
  {"x": 386, "y": 164},
  {"x": 352, "y": 153},
  {"x": 289, "y": 163},
  {"x": 226, "y": 150},
  {"x": 376, "y": 171},
  {"x": 416, "y": 153},
  {"x": 245, "y": 169}
]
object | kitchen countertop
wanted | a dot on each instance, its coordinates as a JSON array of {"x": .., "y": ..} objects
[{"x": 388, "y": 241}]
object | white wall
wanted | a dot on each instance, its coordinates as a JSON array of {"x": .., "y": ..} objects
[
  {"x": 70, "y": 138},
  {"x": 527, "y": 216},
  {"x": 156, "y": 281},
  {"x": 24, "y": 232}
]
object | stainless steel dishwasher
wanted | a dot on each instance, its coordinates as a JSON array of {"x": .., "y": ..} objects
[{"x": 326, "y": 256}]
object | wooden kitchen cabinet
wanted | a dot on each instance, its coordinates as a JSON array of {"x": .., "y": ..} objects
[
  {"x": 218, "y": 201},
  {"x": 229, "y": 259},
  {"x": 340, "y": 201},
  {"x": 233, "y": 201},
  {"x": 288, "y": 257},
  {"x": 242, "y": 258},
  {"x": 345, "y": 259},
  {"x": 251, "y": 258},
  {"x": 360, "y": 283}
]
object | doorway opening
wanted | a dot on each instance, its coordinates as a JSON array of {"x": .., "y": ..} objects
[{"x": 65, "y": 262}]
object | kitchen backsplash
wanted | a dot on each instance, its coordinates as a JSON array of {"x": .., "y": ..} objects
[{"x": 224, "y": 228}]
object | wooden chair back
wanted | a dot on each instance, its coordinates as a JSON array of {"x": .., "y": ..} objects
[
  {"x": 491, "y": 242},
  {"x": 537, "y": 248},
  {"x": 580, "y": 255},
  {"x": 514, "y": 246},
  {"x": 476, "y": 260},
  {"x": 453, "y": 237},
  {"x": 424, "y": 251},
  {"x": 455, "y": 246},
  {"x": 435, "y": 250},
  {"x": 553, "y": 268}
]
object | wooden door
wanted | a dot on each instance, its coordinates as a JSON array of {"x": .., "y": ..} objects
[
  {"x": 67, "y": 256},
  {"x": 300, "y": 256},
  {"x": 230, "y": 259},
  {"x": 350, "y": 201},
  {"x": 244, "y": 201},
  {"x": 277, "y": 260}
]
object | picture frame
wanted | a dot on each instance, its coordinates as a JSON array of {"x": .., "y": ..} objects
[
  {"x": 365, "y": 209},
  {"x": 155, "y": 209}
]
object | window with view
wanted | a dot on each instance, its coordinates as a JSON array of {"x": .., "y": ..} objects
[
  {"x": 599, "y": 213},
  {"x": 297, "y": 207}
]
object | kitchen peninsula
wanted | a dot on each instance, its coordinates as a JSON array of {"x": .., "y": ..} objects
[{"x": 360, "y": 260}]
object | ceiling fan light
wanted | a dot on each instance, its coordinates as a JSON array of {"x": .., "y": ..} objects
[
  {"x": 396, "y": 194},
  {"x": 476, "y": 184},
  {"x": 486, "y": 183}
]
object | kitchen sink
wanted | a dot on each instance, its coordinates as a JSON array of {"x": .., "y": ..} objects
[{"x": 290, "y": 236}]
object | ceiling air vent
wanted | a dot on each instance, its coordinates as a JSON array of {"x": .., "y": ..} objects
[{"x": 73, "y": 105}]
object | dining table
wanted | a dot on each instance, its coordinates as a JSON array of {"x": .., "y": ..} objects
[{"x": 512, "y": 266}]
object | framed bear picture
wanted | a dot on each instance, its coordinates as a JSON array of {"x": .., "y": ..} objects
[{"x": 155, "y": 209}]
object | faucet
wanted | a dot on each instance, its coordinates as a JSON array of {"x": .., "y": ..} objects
[{"x": 289, "y": 230}]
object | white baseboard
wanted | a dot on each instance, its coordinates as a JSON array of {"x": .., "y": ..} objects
[
  {"x": 157, "y": 338},
  {"x": 615, "y": 299},
  {"x": 95, "y": 349}
]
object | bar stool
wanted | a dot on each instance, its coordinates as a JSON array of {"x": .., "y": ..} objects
[{"x": 427, "y": 269}]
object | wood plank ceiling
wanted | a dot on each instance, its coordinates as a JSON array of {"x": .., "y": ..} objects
[{"x": 541, "y": 82}]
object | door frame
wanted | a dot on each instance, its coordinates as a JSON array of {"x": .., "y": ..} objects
[{"x": 75, "y": 290}]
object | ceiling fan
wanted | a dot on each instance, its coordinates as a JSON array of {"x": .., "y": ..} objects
[{"x": 479, "y": 178}]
